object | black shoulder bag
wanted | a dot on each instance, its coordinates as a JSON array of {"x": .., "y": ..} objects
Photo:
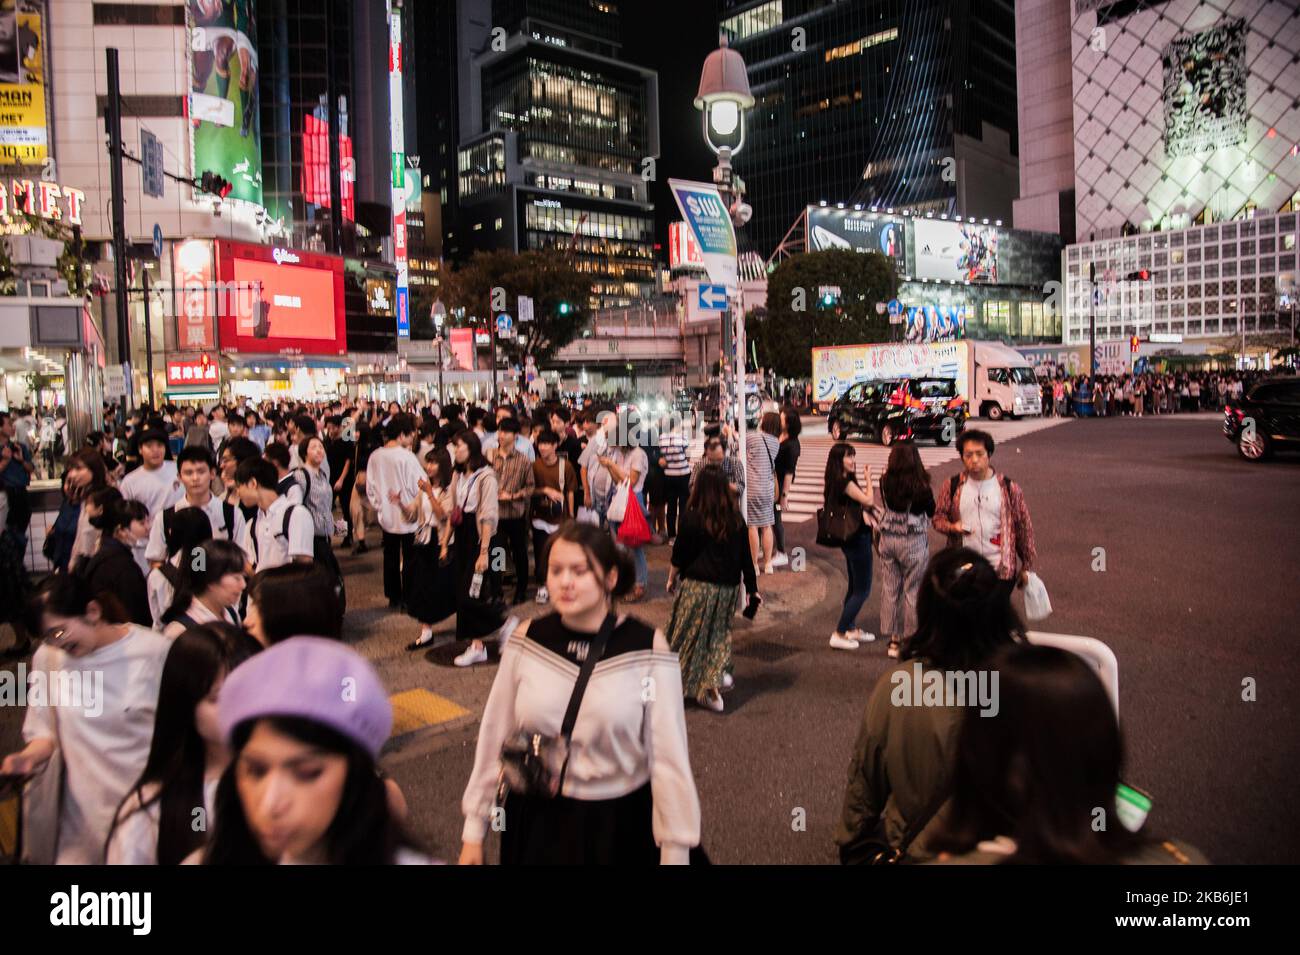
[
  {"x": 533, "y": 764},
  {"x": 874, "y": 849}
]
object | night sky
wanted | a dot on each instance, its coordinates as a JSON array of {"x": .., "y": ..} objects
[{"x": 673, "y": 37}]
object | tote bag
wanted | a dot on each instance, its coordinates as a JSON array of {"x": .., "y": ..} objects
[
  {"x": 635, "y": 530},
  {"x": 618, "y": 506}
]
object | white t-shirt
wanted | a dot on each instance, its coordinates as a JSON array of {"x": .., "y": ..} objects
[
  {"x": 105, "y": 741},
  {"x": 264, "y": 537},
  {"x": 156, "y": 490},
  {"x": 981, "y": 514},
  {"x": 157, "y": 549},
  {"x": 135, "y": 840},
  {"x": 388, "y": 470},
  {"x": 597, "y": 475},
  {"x": 199, "y": 613}
]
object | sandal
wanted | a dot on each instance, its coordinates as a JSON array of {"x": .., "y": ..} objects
[{"x": 894, "y": 645}]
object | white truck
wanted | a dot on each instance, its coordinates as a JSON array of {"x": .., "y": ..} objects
[{"x": 996, "y": 381}]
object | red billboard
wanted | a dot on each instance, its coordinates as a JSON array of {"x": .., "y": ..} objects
[
  {"x": 192, "y": 371},
  {"x": 316, "y": 167},
  {"x": 301, "y": 309},
  {"x": 192, "y": 265}
]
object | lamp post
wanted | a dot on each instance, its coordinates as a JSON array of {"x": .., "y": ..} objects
[
  {"x": 723, "y": 98},
  {"x": 439, "y": 313}
]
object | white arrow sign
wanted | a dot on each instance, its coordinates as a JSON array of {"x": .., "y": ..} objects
[{"x": 713, "y": 297}]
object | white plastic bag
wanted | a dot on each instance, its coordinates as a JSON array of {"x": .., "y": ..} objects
[
  {"x": 1037, "y": 604},
  {"x": 618, "y": 506},
  {"x": 587, "y": 516}
]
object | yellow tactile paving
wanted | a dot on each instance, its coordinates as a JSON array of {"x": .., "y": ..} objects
[{"x": 416, "y": 709}]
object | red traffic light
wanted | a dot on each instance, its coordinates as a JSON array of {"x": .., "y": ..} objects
[
  {"x": 215, "y": 185},
  {"x": 1144, "y": 274},
  {"x": 1133, "y": 344}
]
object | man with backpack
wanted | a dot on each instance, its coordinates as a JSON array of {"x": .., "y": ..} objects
[
  {"x": 282, "y": 531},
  {"x": 195, "y": 468},
  {"x": 986, "y": 512}
]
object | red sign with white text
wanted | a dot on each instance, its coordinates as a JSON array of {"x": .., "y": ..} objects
[
  {"x": 192, "y": 371},
  {"x": 301, "y": 309}
]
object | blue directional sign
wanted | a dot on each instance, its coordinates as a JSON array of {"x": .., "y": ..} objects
[
  {"x": 713, "y": 297},
  {"x": 503, "y": 324},
  {"x": 157, "y": 241},
  {"x": 895, "y": 307},
  {"x": 403, "y": 313}
]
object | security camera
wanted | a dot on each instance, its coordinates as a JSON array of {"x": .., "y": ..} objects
[{"x": 741, "y": 213}]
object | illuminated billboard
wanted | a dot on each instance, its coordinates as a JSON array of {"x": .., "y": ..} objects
[
  {"x": 1205, "y": 90},
  {"x": 301, "y": 310},
  {"x": 955, "y": 251},
  {"x": 316, "y": 167},
  {"x": 937, "y": 323},
  {"x": 225, "y": 128},
  {"x": 24, "y": 121},
  {"x": 856, "y": 231}
]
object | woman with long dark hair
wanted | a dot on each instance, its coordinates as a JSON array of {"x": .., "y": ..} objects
[
  {"x": 626, "y": 792},
  {"x": 841, "y": 490},
  {"x": 156, "y": 822},
  {"x": 432, "y": 597},
  {"x": 304, "y": 722},
  {"x": 711, "y": 557},
  {"x": 787, "y": 463},
  {"x": 904, "y": 547},
  {"x": 211, "y": 587},
  {"x": 474, "y": 519},
  {"x": 902, "y": 762},
  {"x": 113, "y": 574},
  {"x": 289, "y": 600},
  {"x": 1027, "y": 785},
  {"x": 191, "y": 528},
  {"x": 72, "y": 537},
  {"x": 761, "y": 449}
]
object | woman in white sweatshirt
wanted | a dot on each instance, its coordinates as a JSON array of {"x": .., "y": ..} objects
[{"x": 627, "y": 793}]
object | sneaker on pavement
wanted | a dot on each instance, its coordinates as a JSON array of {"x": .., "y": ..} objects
[
  {"x": 862, "y": 636},
  {"x": 714, "y": 701},
  {"x": 727, "y": 681},
  {"x": 780, "y": 560},
  {"x": 472, "y": 656},
  {"x": 841, "y": 642},
  {"x": 543, "y": 596}
]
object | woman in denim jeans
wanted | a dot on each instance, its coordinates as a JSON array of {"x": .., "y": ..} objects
[
  {"x": 904, "y": 547},
  {"x": 841, "y": 488}
]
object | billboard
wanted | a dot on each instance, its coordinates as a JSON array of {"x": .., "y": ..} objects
[
  {"x": 955, "y": 251},
  {"x": 683, "y": 250},
  {"x": 710, "y": 222},
  {"x": 24, "y": 124},
  {"x": 835, "y": 369},
  {"x": 1205, "y": 90},
  {"x": 461, "y": 341},
  {"x": 936, "y": 323},
  {"x": 859, "y": 231},
  {"x": 316, "y": 167},
  {"x": 1049, "y": 361},
  {"x": 225, "y": 126},
  {"x": 302, "y": 309},
  {"x": 192, "y": 279},
  {"x": 192, "y": 371}
]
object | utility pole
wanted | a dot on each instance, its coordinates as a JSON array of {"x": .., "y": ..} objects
[
  {"x": 1092, "y": 321},
  {"x": 148, "y": 336},
  {"x": 113, "y": 120},
  {"x": 492, "y": 331}
]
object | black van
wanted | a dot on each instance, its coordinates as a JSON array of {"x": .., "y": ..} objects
[{"x": 899, "y": 409}]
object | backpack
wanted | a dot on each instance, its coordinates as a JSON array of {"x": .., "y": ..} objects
[
  {"x": 284, "y": 528},
  {"x": 227, "y": 515},
  {"x": 322, "y": 554}
]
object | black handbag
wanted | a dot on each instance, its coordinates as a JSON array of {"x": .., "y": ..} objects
[
  {"x": 836, "y": 526},
  {"x": 872, "y": 848}
]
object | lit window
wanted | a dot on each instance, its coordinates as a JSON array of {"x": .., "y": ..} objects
[
  {"x": 498, "y": 225},
  {"x": 857, "y": 46}
]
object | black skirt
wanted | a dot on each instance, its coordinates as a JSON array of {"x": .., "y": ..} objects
[
  {"x": 476, "y": 617},
  {"x": 432, "y": 596},
  {"x": 564, "y": 831}
]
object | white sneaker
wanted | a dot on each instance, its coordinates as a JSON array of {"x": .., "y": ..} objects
[
  {"x": 862, "y": 636},
  {"x": 727, "y": 681},
  {"x": 504, "y": 634},
  {"x": 543, "y": 597},
  {"x": 780, "y": 560},
  {"x": 473, "y": 656},
  {"x": 714, "y": 701},
  {"x": 841, "y": 642}
]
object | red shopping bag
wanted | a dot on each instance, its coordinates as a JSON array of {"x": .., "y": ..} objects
[{"x": 634, "y": 531}]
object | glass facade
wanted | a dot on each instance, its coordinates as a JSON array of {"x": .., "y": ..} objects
[
  {"x": 569, "y": 113},
  {"x": 481, "y": 168},
  {"x": 1207, "y": 281},
  {"x": 615, "y": 248}
]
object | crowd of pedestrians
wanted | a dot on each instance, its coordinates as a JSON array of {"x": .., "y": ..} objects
[{"x": 1145, "y": 393}]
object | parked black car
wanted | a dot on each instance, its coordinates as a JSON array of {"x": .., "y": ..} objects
[
  {"x": 1265, "y": 419},
  {"x": 896, "y": 409}
]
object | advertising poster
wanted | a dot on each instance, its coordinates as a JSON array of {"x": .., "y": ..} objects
[
  {"x": 709, "y": 220},
  {"x": 1205, "y": 90},
  {"x": 936, "y": 323},
  {"x": 461, "y": 341},
  {"x": 836, "y": 369},
  {"x": 841, "y": 229},
  {"x": 24, "y": 129},
  {"x": 316, "y": 166},
  {"x": 956, "y": 251},
  {"x": 225, "y": 126},
  {"x": 301, "y": 306}
]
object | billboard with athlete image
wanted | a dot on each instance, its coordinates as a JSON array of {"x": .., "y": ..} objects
[
  {"x": 225, "y": 126},
  {"x": 956, "y": 251},
  {"x": 24, "y": 121}
]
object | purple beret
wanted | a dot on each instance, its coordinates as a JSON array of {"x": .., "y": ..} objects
[{"x": 314, "y": 678}]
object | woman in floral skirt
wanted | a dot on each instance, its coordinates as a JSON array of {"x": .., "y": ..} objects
[{"x": 710, "y": 557}]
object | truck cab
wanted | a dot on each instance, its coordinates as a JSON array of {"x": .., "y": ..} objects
[{"x": 1003, "y": 383}]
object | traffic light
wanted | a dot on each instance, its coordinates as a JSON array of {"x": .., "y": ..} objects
[
  {"x": 214, "y": 185},
  {"x": 1141, "y": 275},
  {"x": 565, "y": 307},
  {"x": 1133, "y": 344}
]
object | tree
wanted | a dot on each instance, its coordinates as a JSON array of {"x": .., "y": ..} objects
[
  {"x": 559, "y": 293},
  {"x": 798, "y": 318}
]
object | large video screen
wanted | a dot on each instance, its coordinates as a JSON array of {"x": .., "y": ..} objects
[
  {"x": 225, "y": 128},
  {"x": 301, "y": 304},
  {"x": 842, "y": 229},
  {"x": 956, "y": 251},
  {"x": 1205, "y": 90}
]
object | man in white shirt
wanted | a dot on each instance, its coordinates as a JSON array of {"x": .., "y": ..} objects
[
  {"x": 596, "y": 481},
  {"x": 155, "y": 483},
  {"x": 393, "y": 476},
  {"x": 282, "y": 531},
  {"x": 218, "y": 429},
  {"x": 489, "y": 441},
  {"x": 195, "y": 468}
]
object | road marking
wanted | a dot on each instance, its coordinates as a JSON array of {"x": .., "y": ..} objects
[{"x": 416, "y": 709}]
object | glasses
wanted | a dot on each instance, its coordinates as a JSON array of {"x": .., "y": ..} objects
[{"x": 54, "y": 634}]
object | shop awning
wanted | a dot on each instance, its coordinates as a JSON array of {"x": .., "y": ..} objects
[{"x": 285, "y": 361}]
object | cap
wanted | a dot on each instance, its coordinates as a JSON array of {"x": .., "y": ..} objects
[
  {"x": 152, "y": 434},
  {"x": 314, "y": 678}
]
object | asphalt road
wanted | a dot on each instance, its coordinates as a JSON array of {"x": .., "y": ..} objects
[{"x": 1198, "y": 594}]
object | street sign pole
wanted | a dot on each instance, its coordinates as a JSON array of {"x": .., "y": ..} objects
[
  {"x": 492, "y": 331},
  {"x": 113, "y": 119},
  {"x": 148, "y": 338},
  {"x": 1092, "y": 322}
]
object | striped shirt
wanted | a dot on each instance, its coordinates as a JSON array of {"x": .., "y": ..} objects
[
  {"x": 672, "y": 448},
  {"x": 515, "y": 477}
]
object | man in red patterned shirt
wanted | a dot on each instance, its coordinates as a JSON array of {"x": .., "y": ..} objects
[{"x": 986, "y": 512}]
